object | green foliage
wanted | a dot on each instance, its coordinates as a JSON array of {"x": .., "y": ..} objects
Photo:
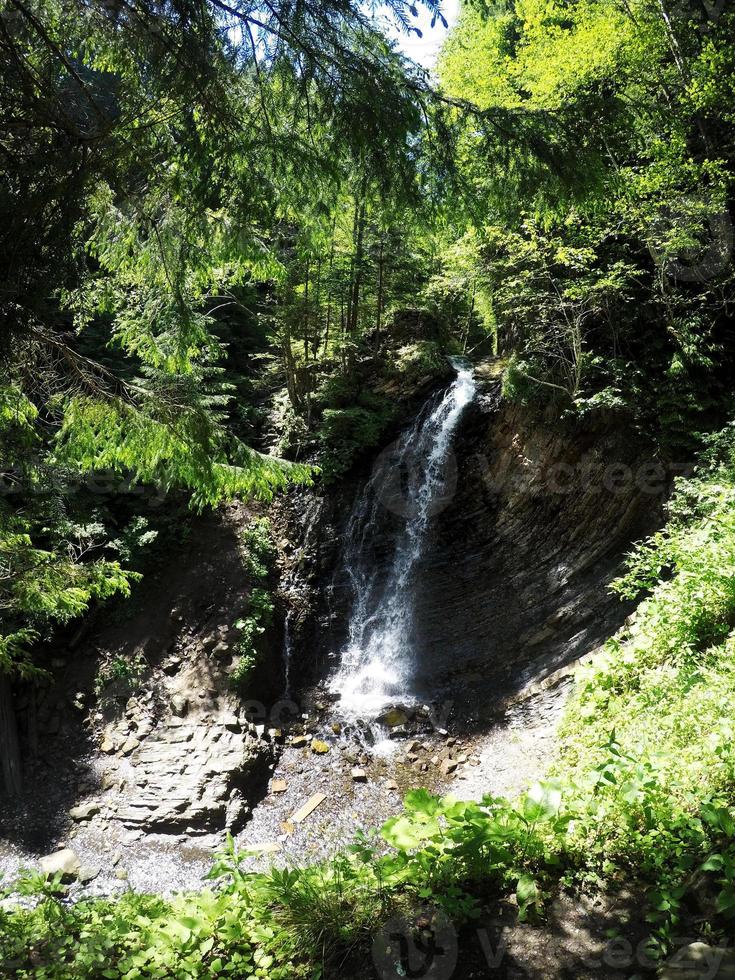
[
  {"x": 120, "y": 677},
  {"x": 259, "y": 558},
  {"x": 411, "y": 364},
  {"x": 179, "y": 450},
  {"x": 601, "y": 219},
  {"x": 665, "y": 687},
  {"x": 42, "y": 585},
  {"x": 260, "y": 551},
  {"x": 208, "y": 934},
  {"x": 346, "y": 433}
]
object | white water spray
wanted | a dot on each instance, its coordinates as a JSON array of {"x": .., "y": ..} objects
[{"x": 415, "y": 479}]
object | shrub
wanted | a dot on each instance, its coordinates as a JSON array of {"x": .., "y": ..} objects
[
  {"x": 346, "y": 433},
  {"x": 258, "y": 557}
]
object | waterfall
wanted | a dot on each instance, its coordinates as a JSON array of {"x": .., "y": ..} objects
[
  {"x": 287, "y": 654},
  {"x": 414, "y": 480}
]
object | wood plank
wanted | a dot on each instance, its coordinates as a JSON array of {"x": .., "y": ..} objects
[
  {"x": 308, "y": 807},
  {"x": 273, "y": 848}
]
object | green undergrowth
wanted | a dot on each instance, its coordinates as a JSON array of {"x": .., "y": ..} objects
[
  {"x": 355, "y": 411},
  {"x": 641, "y": 794},
  {"x": 259, "y": 556}
]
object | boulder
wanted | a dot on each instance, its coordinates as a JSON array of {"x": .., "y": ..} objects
[
  {"x": 179, "y": 705},
  {"x": 64, "y": 861},
  {"x": 87, "y": 874},
  {"x": 394, "y": 717},
  {"x": 85, "y": 811},
  {"x": 698, "y": 960}
]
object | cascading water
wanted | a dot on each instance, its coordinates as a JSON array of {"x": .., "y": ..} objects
[{"x": 414, "y": 479}]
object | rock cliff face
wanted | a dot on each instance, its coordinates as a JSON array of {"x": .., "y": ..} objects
[
  {"x": 514, "y": 581},
  {"x": 170, "y": 749}
]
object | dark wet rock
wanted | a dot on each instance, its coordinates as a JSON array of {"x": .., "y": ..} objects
[
  {"x": 394, "y": 718},
  {"x": 513, "y": 580}
]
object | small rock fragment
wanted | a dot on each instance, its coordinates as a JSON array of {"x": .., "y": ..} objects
[
  {"x": 179, "y": 705},
  {"x": 272, "y": 847},
  {"x": 359, "y": 775}
]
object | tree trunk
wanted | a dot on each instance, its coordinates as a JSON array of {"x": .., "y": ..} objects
[
  {"x": 379, "y": 305},
  {"x": 9, "y": 745},
  {"x": 354, "y": 316},
  {"x": 306, "y": 311}
]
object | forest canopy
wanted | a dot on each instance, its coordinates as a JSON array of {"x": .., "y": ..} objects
[{"x": 232, "y": 230}]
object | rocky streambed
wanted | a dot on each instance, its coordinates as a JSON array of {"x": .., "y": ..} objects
[{"x": 322, "y": 786}]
